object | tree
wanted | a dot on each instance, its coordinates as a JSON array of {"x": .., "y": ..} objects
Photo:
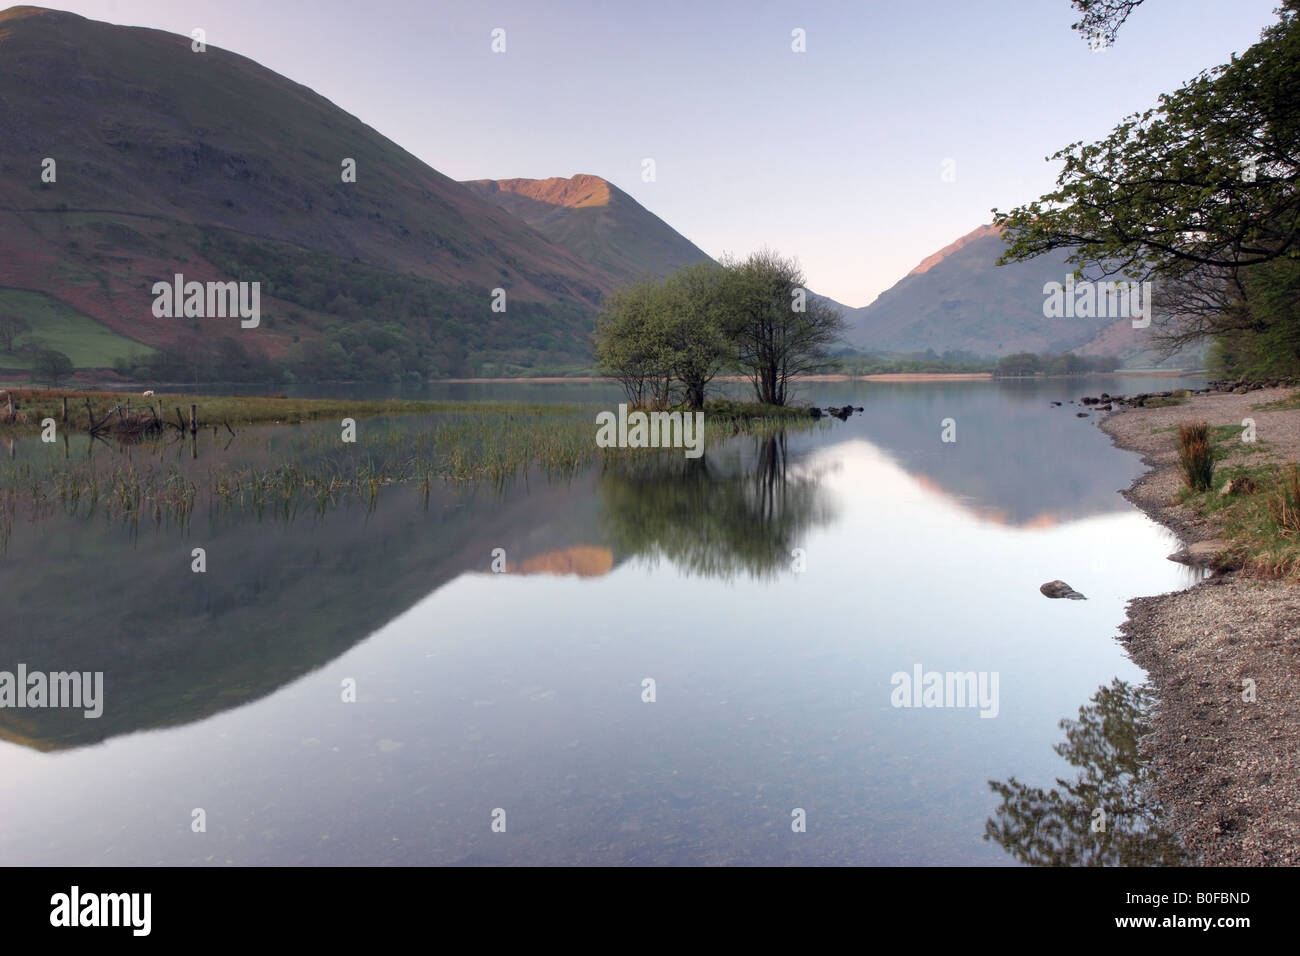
[
  {"x": 1257, "y": 335},
  {"x": 51, "y": 366},
  {"x": 692, "y": 325},
  {"x": 777, "y": 329},
  {"x": 628, "y": 348},
  {"x": 1206, "y": 179},
  {"x": 1103, "y": 18},
  {"x": 11, "y": 326},
  {"x": 1198, "y": 194}
]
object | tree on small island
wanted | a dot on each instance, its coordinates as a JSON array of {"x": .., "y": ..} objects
[{"x": 664, "y": 342}]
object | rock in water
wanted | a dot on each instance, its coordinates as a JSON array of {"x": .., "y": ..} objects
[{"x": 1059, "y": 589}]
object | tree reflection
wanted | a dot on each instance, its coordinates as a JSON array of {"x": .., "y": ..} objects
[
  {"x": 709, "y": 519},
  {"x": 1056, "y": 827}
]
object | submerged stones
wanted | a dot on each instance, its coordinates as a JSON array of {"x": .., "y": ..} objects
[{"x": 1059, "y": 589}]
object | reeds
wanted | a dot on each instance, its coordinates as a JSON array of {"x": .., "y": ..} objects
[{"x": 279, "y": 474}]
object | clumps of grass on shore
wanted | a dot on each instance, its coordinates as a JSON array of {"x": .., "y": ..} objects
[
  {"x": 1281, "y": 405},
  {"x": 1258, "y": 509},
  {"x": 1195, "y": 456},
  {"x": 1284, "y": 503}
]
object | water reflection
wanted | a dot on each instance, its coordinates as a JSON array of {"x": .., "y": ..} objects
[
  {"x": 715, "y": 517},
  {"x": 524, "y": 688},
  {"x": 277, "y": 600},
  {"x": 1056, "y": 827}
]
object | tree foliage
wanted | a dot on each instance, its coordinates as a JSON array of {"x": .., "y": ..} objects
[
  {"x": 777, "y": 329},
  {"x": 1198, "y": 194},
  {"x": 51, "y": 366},
  {"x": 1206, "y": 178},
  {"x": 628, "y": 346},
  {"x": 1103, "y": 18}
]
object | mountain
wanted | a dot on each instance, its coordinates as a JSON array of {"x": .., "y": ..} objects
[
  {"x": 208, "y": 164},
  {"x": 958, "y": 299},
  {"x": 596, "y": 221}
]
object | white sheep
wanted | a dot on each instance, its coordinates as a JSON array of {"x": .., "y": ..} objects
[{"x": 148, "y": 394}]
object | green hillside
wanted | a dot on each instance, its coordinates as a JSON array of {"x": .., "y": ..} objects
[
  {"x": 57, "y": 326},
  {"x": 168, "y": 158}
]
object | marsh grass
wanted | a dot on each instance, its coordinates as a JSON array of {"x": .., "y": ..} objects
[
  {"x": 34, "y": 404},
  {"x": 279, "y": 474}
]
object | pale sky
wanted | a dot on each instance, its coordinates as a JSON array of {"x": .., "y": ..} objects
[{"x": 833, "y": 155}]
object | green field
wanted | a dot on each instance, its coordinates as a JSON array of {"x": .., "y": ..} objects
[{"x": 57, "y": 326}]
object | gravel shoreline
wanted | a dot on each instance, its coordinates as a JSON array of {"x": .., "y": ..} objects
[{"x": 1227, "y": 771}]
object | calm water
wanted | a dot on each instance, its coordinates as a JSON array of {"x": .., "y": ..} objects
[{"x": 523, "y": 692}]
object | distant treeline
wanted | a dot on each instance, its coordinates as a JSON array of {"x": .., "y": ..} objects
[
  {"x": 1024, "y": 364},
  {"x": 852, "y": 362}
]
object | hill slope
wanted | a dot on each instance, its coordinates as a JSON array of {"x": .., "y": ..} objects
[
  {"x": 596, "y": 221},
  {"x": 170, "y": 160},
  {"x": 958, "y": 299}
]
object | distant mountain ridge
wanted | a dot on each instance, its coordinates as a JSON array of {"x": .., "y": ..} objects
[
  {"x": 932, "y": 260},
  {"x": 958, "y": 299}
]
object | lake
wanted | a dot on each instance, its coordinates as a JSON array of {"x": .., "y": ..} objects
[{"x": 687, "y": 661}]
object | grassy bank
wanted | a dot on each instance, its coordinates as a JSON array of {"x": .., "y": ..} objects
[
  {"x": 1257, "y": 505},
  {"x": 1249, "y": 490}
]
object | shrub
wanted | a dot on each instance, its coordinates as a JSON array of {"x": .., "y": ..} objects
[{"x": 1195, "y": 455}]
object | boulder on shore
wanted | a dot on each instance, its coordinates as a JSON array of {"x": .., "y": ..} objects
[{"x": 1059, "y": 589}]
